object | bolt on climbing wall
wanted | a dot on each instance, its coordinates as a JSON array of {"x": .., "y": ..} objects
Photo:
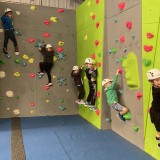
[
  {"x": 22, "y": 91},
  {"x": 123, "y": 51}
]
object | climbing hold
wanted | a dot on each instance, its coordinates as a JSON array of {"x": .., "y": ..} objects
[
  {"x": 97, "y": 1},
  {"x": 60, "y": 56},
  {"x": 99, "y": 64},
  {"x": 60, "y": 10},
  {"x": 31, "y": 54},
  {"x": 120, "y": 71},
  {"x": 47, "y": 22},
  {"x": 33, "y": 8},
  {"x": 47, "y": 100},
  {"x": 114, "y": 50},
  {"x": 17, "y": 97},
  {"x": 16, "y": 74},
  {"x": 8, "y": 56},
  {"x": 147, "y": 62},
  {"x": 16, "y": 112},
  {"x": 9, "y": 94},
  {"x": 98, "y": 94},
  {"x": 135, "y": 128},
  {"x": 2, "y": 61},
  {"x": 0, "y": 98},
  {"x": 117, "y": 60},
  {"x": 53, "y": 19},
  {"x": 150, "y": 35},
  {"x": 18, "y": 13},
  {"x": 39, "y": 43},
  {"x": 99, "y": 54},
  {"x": 17, "y": 60},
  {"x": 108, "y": 119},
  {"x": 60, "y": 43},
  {"x": 85, "y": 37},
  {"x": 116, "y": 40},
  {"x": 1, "y": 30},
  {"x": 93, "y": 16},
  {"x": 31, "y": 40},
  {"x": 130, "y": 65},
  {"x": 120, "y": 91},
  {"x": 23, "y": 63},
  {"x": 109, "y": 51},
  {"x": 97, "y": 24},
  {"x": 96, "y": 43},
  {"x": 61, "y": 81},
  {"x": 134, "y": 36},
  {"x": 31, "y": 75},
  {"x": 61, "y": 100},
  {"x": 31, "y": 60},
  {"x": 2, "y": 74},
  {"x": 115, "y": 19},
  {"x": 46, "y": 35},
  {"x": 61, "y": 107},
  {"x": 122, "y": 59},
  {"x": 32, "y": 89},
  {"x": 46, "y": 87},
  {"x": 88, "y": 4},
  {"x": 127, "y": 116},
  {"x": 121, "y": 6},
  {"x": 25, "y": 56},
  {"x": 148, "y": 48},
  {"x": 129, "y": 24},
  {"x": 59, "y": 49},
  {"x": 32, "y": 104},
  {"x": 122, "y": 39},
  {"x": 125, "y": 50},
  {"x": 97, "y": 112},
  {"x": 17, "y": 33},
  {"x": 93, "y": 55},
  {"x": 139, "y": 95},
  {"x": 39, "y": 76}
]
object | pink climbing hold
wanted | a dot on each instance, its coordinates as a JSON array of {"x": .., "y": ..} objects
[
  {"x": 98, "y": 94},
  {"x": 150, "y": 35},
  {"x": 120, "y": 71},
  {"x": 60, "y": 10},
  {"x": 97, "y": 112},
  {"x": 31, "y": 40},
  {"x": 31, "y": 75},
  {"x": 97, "y": 1},
  {"x": 46, "y": 87},
  {"x": 59, "y": 49},
  {"x": 122, "y": 39},
  {"x": 99, "y": 64},
  {"x": 148, "y": 48},
  {"x": 93, "y": 55},
  {"x": 121, "y": 6},
  {"x": 32, "y": 104},
  {"x": 139, "y": 95},
  {"x": 93, "y": 16},
  {"x": 97, "y": 24},
  {"x": 46, "y": 34},
  {"x": 129, "y": 24},
  {"x": 47, "y": 22},
  {"x": 96, "y": 42}
]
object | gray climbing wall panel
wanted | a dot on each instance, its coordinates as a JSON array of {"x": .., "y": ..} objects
[
  {"x": 115, "y": 28},
  {"x": 30, "y": 96}
]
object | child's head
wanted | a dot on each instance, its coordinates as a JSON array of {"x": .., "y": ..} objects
[
  {"x": 89, "y": 63},
  {"x": 153, "y": 76},
  {"x": 106, "y": 83},
  {"x": 75, "y": 69},
  {"x": 49, "y": 47},
  {"x": 8, "y": 12}
]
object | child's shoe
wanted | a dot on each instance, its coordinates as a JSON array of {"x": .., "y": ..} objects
[
  {"x": 40, "y": 73},
  {"x": 87, "y": 104},
  {"x": 92, "y": 108},
  {"x": 159, "y": 145},
  {"x": 121, "y": 118},
  {"x": 49, "y": 84},
  {"x": 157, "y": 138},
  {"x": 81, "y": 102},
  {"x": 16, "y": 53},
  {"x": 5, "y": 51}
]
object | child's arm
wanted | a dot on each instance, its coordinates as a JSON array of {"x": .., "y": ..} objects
[{"x": 115, "y": 79}]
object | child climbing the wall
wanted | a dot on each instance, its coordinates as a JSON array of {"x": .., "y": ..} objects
[
  {"x": 91, "y": 73},
  {"x": 153, "y": 76},
  {"x": 76, "y": 75},
  {"x": 112, "y": 98},
  {"x": 47, "y": 64},
  {"x": 8, "y": 31}
]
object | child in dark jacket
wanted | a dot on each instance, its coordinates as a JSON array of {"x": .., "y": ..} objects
[
  {"x": 76, "y": 75},
  {"x": 8, "y": 31},
  {"x": 47, "y": 63}
]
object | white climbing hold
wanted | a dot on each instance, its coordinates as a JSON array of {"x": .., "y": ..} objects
[
  {"x": 16, "y": 112},
  {"x": 2, "y": 74},
  {"x": 9, "y": 93}
]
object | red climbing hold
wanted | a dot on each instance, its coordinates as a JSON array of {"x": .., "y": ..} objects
[
  {"x": 47, "y": 22},
  {"x": 93, "y": 56},
  {"x": 99, "y": 64},
  {"x": 150, "y": 35},
  {"x": 129, "y": 25},
  {"x": 121, "y": 6},
  {"x": 46, "y": 87},
  {"x": 60, "y": 10},
  {"x": 148, "y": 48},
  {"x": 139, "y": 95},
  {"x": 32, "y": 104},
  {"x": 97, "y": 1},
  {"x": 97, "y": 112},
  {"x": 31, "y": 40},
  {"x": 31, "y": 75},
  {"x": 96, "y": 42},
  {"x": 122, "y": 39},
  {"x": 59, "y": 49},
  {"x": 93, "y": 16},
  {"x": 46, "y": 34},
  {"x": 120, "y": 71},
  {"x": 97, "y": 24},
  {"x": 98, "y": 94}
]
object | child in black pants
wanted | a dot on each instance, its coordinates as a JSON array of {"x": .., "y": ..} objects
[
  {"x": 91, "y": 73},
  {"x": 47, "y": 63},
  {"x": 76, "y": 75},
  {"x": 153, "y": 76},
  {"x": 8, "y": 31}
]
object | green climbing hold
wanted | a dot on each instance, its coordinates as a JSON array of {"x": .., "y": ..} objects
[
  {"x": 2, "y": 61},
  {"x": 114, "y": 50},
  {"x": 135, "y": 128},
  {"x": 32, "y": 90},
  {"x": 61, "y": 100},
  {"x": 17, "y": 97},
  {"x": 17, "y": 60},
  {"x": 31, "y": 54},
  {"x": 127, "y": 116},
  {"x": 61, "y": 108},
  {"x": 147, "y": 62},
  {"x": 122, "y": 59},
  {"x": 99, "y": 54},
  {"x": 47, "y": 93},
  {"x": 0, "y": 97}
]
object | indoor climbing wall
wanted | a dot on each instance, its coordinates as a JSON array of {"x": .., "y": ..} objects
[
  {"x": 90, "y": 28},
  {"x": 22, "y": 92},
  {"x": 122, "y": 50},
  {"x": 150, "y": 55}
]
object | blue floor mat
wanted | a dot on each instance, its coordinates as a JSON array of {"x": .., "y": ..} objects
[
  {"x": 72, "y": 138},
  {"x": 5, "y": 139}
]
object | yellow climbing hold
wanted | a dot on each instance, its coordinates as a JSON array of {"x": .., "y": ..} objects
[
  {"x": 33, "y": 8},
  {"x": 17, "y": 74},
  {"x": 91, "y": 14},
  {"x": 54, "y": 76},
  {"x": 53, "y": 19},
  {"x": 85, "y": 77},
  {"x": 85, "y": 37},
  {"x": 54, "y": 58},
  {"x": 130, "y": 65},
  {"x": 60, "y": 43},
  {"x": 25, "y": 56},
  {"x": 89, "y": 3},
  {"x": 47, "y": 101},
  {"x": 31, "y": 60}
]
